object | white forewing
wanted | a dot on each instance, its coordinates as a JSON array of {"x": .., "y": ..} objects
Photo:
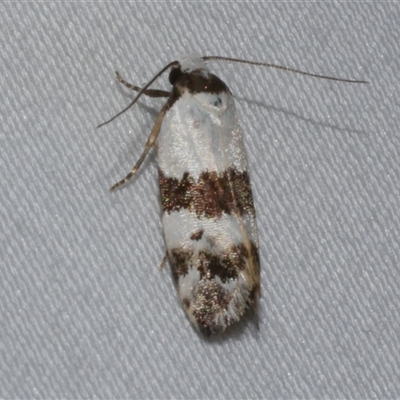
[{"x": 201, "y": 133}]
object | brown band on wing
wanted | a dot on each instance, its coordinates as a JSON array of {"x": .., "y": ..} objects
[{"x": 211, "y": 195}]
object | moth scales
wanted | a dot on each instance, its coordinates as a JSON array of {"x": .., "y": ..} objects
[{"x": 208, "y": 212}]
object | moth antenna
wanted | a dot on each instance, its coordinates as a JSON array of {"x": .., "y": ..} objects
[
  {"x": 262, "y": 64},
  {"x": 171, "y": 64}
]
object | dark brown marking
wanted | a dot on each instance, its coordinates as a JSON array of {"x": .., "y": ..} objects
[
  {"x": 226, "y": 266},
  {"x": 193, "y": 82},
  {"x": 179, "y": 261},
  {"x": 197, "y": 235},
  {"x": 213, "y": 194},
  {"x": 186, "y": 303}
]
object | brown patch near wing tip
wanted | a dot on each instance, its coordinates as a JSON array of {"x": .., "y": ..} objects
[
  {"x": 209, "y": 301},
  {"x": 213, "y": 298},
  {"x": 213, "y": 194}
]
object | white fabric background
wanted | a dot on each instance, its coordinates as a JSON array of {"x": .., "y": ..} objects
[{"x": 85, "y": 312}]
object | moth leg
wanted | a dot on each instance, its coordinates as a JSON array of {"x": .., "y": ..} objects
[
  {"x": 164, "y": 261},
  {"x": 147, "y": 92},
  {"x": 150, "y": 143}
]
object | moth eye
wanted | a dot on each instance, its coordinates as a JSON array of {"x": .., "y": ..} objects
[{"x": 174, "y": 75}]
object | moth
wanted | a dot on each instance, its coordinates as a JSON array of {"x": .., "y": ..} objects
[{"x": 208, "y": 213}]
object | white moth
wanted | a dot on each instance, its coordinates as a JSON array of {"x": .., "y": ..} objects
[{"x": 207, "y": 205}]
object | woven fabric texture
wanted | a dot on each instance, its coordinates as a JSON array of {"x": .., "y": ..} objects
[{"x": 84, "y": 310}]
